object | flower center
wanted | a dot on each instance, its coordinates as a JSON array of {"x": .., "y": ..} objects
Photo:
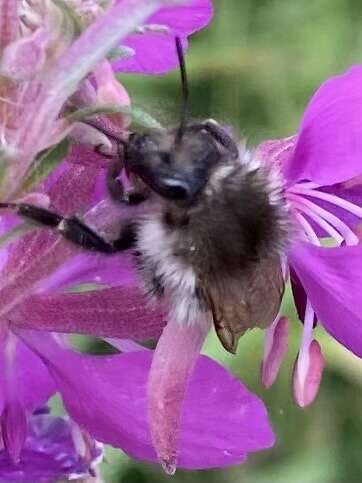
[
  {"x": 303, "y": 197},
  {"x": 318, "y": 221}
]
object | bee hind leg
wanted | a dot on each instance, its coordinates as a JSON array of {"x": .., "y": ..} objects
[{"x": 73, "y": 229}]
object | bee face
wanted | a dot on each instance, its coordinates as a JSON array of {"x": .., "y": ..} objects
[{"x": 177, "y": 171}]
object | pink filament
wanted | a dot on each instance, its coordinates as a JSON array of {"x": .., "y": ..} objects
[
  {"x": 310, "y": 233},
  {"x": 307, "y": 337},
  {"x": 321, "y": 222},
  {"x": 348, "y": 235},
  {"x": 334, "y": 200}
]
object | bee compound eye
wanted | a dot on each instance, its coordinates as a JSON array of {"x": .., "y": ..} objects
[
  {"x": 143, "y": 143},
  {"x": 176, "y": 189}
]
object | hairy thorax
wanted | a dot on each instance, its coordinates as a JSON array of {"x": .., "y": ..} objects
[{"x": 236, "y": 222}]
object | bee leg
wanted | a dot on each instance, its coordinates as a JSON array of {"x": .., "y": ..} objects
[
  {"x": 116, "y": 188},
  {"x": 127, "y": 238},
  {"x": 73, "y": 229},
  {"x": 220, "y": 135},
  {"x": 98, "y": 150},
  {"x": 114, "y": 184}
]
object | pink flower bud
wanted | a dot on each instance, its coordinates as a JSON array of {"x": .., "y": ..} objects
[
  {"x": 276, "y": 345},
  {"x": 307, "y": 374},
  {"x": 110, "y": 91},
  {"x": 25, "y": 57}
]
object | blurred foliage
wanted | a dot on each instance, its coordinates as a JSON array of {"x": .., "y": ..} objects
[{"x": 255, "y": 68}]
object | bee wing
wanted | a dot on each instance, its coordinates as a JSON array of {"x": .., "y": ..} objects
[{"x": 253, "y": 301}]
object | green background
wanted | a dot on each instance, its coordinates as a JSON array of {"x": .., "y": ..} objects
[{"x": 255, "y": 67}]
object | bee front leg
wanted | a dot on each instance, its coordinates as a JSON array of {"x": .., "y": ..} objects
[
  {"x": 133, "y": 196},
  {"x": 73, "y": 229}
]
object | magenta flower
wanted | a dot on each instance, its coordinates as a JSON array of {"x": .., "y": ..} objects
[
  {"x": 318, "y": 165},
  {"x": 106, "y": 398},
  {"x": 44, "y": 62},
  {"x": 314, "y": 166},
  {"x": 101, "y": 393},
  {"x": 54, "y": 450}
]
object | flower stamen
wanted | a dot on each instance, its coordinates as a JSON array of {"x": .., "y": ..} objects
[
  {"x": 307, "y": 337},
  {"x": 308, "y": 230},
  {"x": 349, "y": 236},
  {"x": 322, "y": 223},
  {"x": 333, "y": 199}
]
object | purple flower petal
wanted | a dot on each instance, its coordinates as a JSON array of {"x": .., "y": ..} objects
[
  {"x": 329, "y": 145},
  {"x": 299, "y": 295},
  {"x": 222, "y": 421},
  {"x": 41, "y": 252},
  {"x": 332, "y": 279},
  {"x": 279, "y": 151},
  {"x": 48, "y": 455},
  {"x": 115, "y": 270},
  {"x": 115, "y": 312},
  {"x": 155, "y": 52},
  {"x": 30, "y": 378},
  {"x": 13, "y": 429}
]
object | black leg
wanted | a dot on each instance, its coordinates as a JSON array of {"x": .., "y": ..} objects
[
  {"x": 220, "y": 135},
  {"x": 98, "y": 150},
  {"x": 116, "y": 188},
  {"x": 74, "y": 230},
  {"x": 114, "y": 185}
]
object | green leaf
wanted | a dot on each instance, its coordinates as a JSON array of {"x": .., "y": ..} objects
[
  {"x": 44, "y": 164},
  {"x": 138, "y": 115},
  {"x": 142, "y": 118},
  {"x": 120, "y": 52}
]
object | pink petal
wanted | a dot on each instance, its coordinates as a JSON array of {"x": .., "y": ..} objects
[
  {"x": 62, "y": 80},
  {"x": 176, "y": 353},
  {"x": 307, "y": 375},
  {"x": 329, "y": 145},
  {"x": 13, "y": 429},
  {"x": 9, "y": 22},
  {"x": 23, "y": 59},
  {"x": 276, "y": 346},
  {"x": 332, "y": 280},
  {"x": 41, "y": 252},
  {"x": 155, "y": 52},
  {"x": 115, "y": 270},
  {"x": 222, "y": 421},
  {"x": 115, "y": 312},
  {"x": 276, "y": 151}
]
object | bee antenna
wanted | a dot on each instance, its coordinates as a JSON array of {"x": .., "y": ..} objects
[{"x": 185, "y": 90}]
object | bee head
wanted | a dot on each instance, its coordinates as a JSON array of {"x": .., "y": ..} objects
[
  {"x": 177, "y": 163},
  {"x": 176, "y": 171}
]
